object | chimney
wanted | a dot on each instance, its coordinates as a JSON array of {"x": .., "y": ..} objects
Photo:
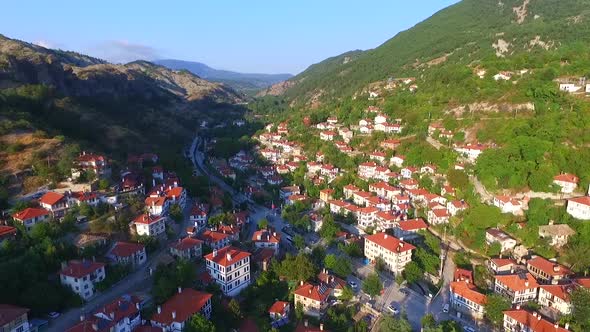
[
  {"x": 301, "y": 283},
  {"x": 538, "y": 317},
  {"x": 385, "y": 236},
  {"x": 556, "y": 326},
  {"x": 228, "y": 256},
  {"x": 173, "y": 314},
  {"x": 305, "y": 323},
  {"x": 82, "y": 317},
  {"x": 556, "y": 268},
  {"x": 310, "y": 291},
  {"x": 321, "y": 326},
  {"x": 214, "y": 252},
  {"x": 137, "y": 305},
  {"x": 535, "y": 314},
  {"x": 179, "y": 290},
  {"x": 567, "y": 326},
  {"x": 159, "y": 309},
  {"x": 526, "y": 283}
]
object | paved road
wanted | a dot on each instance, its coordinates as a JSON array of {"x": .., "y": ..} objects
[{"x": 436, "y": 144}]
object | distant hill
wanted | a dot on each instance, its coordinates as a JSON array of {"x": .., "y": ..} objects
[
  {"x": 466, "y": 33},
  {"x": 245, "y": 82},
  {"x": 113, "y": 108}
]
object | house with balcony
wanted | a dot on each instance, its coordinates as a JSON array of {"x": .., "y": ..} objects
[
  {"x": 546, "y": 271},
  {"x": 128, "y": 253},
  {"x": 188, "y": 248},
  {"x": 518, "y": 288},
  {"x": 230, "y": 268},
  {"x": 521, "y": 320},
  {"x": 150, "y": 225},
  {"x": 173, "y": 315},
  {"x": 81, "y": 276},
  {"x": 30, "y": 217},
  {"x": 55, "y": 203},
  {"x": 122, "y": 314}
]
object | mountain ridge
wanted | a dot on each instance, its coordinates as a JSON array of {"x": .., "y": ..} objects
[{"x": 237, "y": 80}]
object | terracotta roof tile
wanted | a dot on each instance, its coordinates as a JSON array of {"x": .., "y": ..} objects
[
  {"x": 389, "y": 242},
  {"x": 221, "y": 256},
  {"x": 185, "y": 304}
]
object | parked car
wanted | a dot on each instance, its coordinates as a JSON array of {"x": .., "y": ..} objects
[
  {"x": 446, "y": 308},
  {"x": 468, "y": 329},
  {"x": 353, "y": 284},
  {"x": 53, "y": 315},
  {"x": 392, "y": 307}
]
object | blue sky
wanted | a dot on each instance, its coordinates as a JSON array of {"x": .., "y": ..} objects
[{"x": 250, "y": 36}]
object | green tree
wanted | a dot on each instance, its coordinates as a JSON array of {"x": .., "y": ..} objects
[
  {"x": 347, "y": 294},
  {"x": 394, "y": 324},
  {"x": 581, "y": 307},
  {"x": 198, "y": 323},
  {"x": 297, "y": 268},
  {"x": 234, "y": 309},
  {"x": 458, "y": 179},
  {"x": 103, "y": 184},
  {"x": 329, "y": 228},
  {"x": 341, "y": 266},
  {"x": 372, "y": 284},
  {"x": 494, "y": 307},
  {"x": 412, "y": 272},
  {"x": 176, "y": 213},
  {"x": 299, "y": 241},
  {"x": 299, "y": 311},
  {"x": 263, "y": 224},
  {"x": 428, "y": 321},
  {"x": 379, "y": 264}
]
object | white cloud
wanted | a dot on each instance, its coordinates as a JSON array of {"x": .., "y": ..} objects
[{"x": 122, "y": 51}]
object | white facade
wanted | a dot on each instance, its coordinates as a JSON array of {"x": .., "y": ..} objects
[
  {"x": 579, "y": 208},
  {"x": 83, "y": 285},
  {"x": 231, "y": 277},
  {"x": 395, "y": 258},
  {"x": 550, "y": 300},
  {"x": 156, "y": 227}
]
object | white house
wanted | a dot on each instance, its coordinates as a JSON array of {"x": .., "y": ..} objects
[
  {"x": 146, "y": 224},
  {"x": 518, "y": 288},
  {"x": 579, "y": 207},
  {"x": 395, "y": 252},
  {"x": 157, "y": 206},
  {"x": 230, "y": 268},
  {"x": 367, "y": 170},
  {"x": 174, "y": 313},
  {"x": 438, "y": 216},
  {"x": 508, "y": 205},
  {"x": 380, "y": 118},
  {"x": 81, "y": 276},
  {"x": 14, "y": 319},
  {"x": 128, "y": 253},
  {"x": 471, "y": 151},
  {"x": 398, "y": 160},
  {"x": 520, "y": 320},
  {"x": 267, "y": 239},
  {"x": 570, "y": 87},
  {"x": 556, "y": 297},
  {"x": 506, "y": 242},
  {"x": 558, "y": 235},
  {"x": 54, "y": 202},
  {"x": 121, "y": 315},
  {"x": 327, "y": 135},
  {"x": 30, "y": 217},
  {"x": 503, "y": 75},
  {"x": 567, "y": 182},
  {"x": 466, "y": 299}
]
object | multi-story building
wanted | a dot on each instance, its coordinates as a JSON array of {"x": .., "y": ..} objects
[
  {"x": 149, "y": 225},
  {"x": 188, "y": 248},
  {"x": 546, "y": 271},
  {"x": 128, "y": 253},
  {"x": 174, "y": 313},
  {"x": 567, "y": 182},
  {"x": 506, "y": 242},
  {"x": 395, "y": 252},
  {"x": 13, "y": 318},
  {"x": 55, "y": 203},
  {"x": 579, "y": 207},
  {"x": 466, "y": 299},
  {"x": 313, "y": 298},
  {"x": 121, "y": 315},
  {"x": 556, "y": 297},
  {"x": 214, "y": 239},
  {"x": 264, "y": 238},
  {"x": 157, "y": 206},
  {"x": 230, "y": 268},
  {"x": 279, "y": 310},
  {"x": 30, "y": 217},
  {"x": 81, "y": 276},
  {"x": 520, "y": 320},
  {"x": 518, "y": 288}
]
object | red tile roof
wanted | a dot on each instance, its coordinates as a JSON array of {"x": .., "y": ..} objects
[
  {"x": 314, "y": 292},
  {"x": 7, "y": 230},
  {"x": 551, "y": 268},
  {"x": 532, "y": 321},
  {"x": 30, "y": 213},
  {"x": 389, "y": 242},
  {"x": 279, "y": 307},
  {"x": 560, "y": 291},
  {"x": 212, "y": 236},
  {"x": 500, "y": 262},
  {"x": 221, "y": 256},
  {"x": 185, "y": 304},
  {"x": 9, "y": 312},
  {"x": 515, "y": 283},
  {"x": 146, "y": 219},
  {"x": 566, "y": 177},
  {"x": 266, "y": 236},
  {"x": 120, "y": 308},
  {"x": 79, "y": 269},
  {"x": 468, "y": 291},
  {"x": 585, "y": 200},
  {"x": 186, "y": 243},
  {"x": 413, "y": 224},
  {"x": 126, "y": 249},
  {"x": 83, "y": 196},
  {"x": 51, "y": 198},
  {"x": 155, "y": 201},
  {"x": 174, "y": 192}
]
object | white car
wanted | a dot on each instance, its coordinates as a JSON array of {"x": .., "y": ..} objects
[
  {"x": 468, "y": 329},
  {"x": 446, "y": 308},
  {"x": 352, "y": 284},
  {"x": 393, "y": 309}
]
